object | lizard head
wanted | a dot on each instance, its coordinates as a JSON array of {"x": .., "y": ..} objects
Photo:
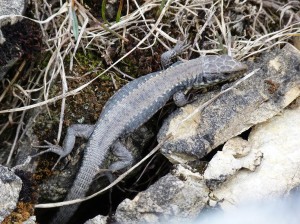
[{"x": 221, "y": 72}]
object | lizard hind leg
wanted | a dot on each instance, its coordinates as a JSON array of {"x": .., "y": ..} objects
[
  {"x": 51, "y": 148},
  {"x": 124, "y": 155},
  {"x": 75, "y": 130},
  {"x": 125, "y": 160}
]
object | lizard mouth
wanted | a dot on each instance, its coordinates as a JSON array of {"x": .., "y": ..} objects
[
  {"x": 235, "y": 77},
  {"x": 215, "y": 79}
]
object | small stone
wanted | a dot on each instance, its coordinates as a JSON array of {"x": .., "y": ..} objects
[{"x": 175, "y": 198}]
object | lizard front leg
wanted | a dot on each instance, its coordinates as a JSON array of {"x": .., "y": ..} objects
[
  {"x": 167, "y": 56},
  {"x": 180, "y": 99},
  {"x": 75, "y": 130}
]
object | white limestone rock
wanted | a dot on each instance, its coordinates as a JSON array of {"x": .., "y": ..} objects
[
  {"x": 99, "y": 219},
  {"x": 278, "y": 140},
  {"x": 236, "y": 155}
]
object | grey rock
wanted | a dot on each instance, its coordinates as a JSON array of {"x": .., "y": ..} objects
[
  {"x": 12, "y": 7},
  {"x": 10, "y": 187},
  {"x": 9, "y": 7},
  {"x": 176, "y": 197},
  {"x": 235, "y": 155},
  {"x": 263, "y": 95},
  {"x": 99, "y": 219}
]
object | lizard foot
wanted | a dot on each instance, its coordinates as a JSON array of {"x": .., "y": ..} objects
[
  {"x": 51, "y": 148},
  {"x": 166, "y": 58},
  {"x": 110, "y": 175}
]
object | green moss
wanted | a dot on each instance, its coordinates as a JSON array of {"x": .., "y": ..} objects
[
  {"x": 89, "y": 60},
  {"x": 130, "y": 67},
  {"x": 105, "y": 77}
]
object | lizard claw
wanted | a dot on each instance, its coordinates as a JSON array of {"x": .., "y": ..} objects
[
  {"x": 166, "y": 58},
  {"x": 51, "y": 148}
]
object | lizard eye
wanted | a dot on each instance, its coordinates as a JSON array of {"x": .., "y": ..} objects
[{"x": 208, "y": 78}]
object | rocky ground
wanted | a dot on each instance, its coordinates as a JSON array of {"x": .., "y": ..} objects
[{"x": 235, "y": 145}]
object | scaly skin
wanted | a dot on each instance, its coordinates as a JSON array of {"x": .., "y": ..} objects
[{"x": 136, "y": 103}]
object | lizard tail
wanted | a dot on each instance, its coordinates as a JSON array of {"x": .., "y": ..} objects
[{"x": 80, "y": 186}]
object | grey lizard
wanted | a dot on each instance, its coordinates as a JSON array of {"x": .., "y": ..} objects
[{"x": 130, "y": 107}]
